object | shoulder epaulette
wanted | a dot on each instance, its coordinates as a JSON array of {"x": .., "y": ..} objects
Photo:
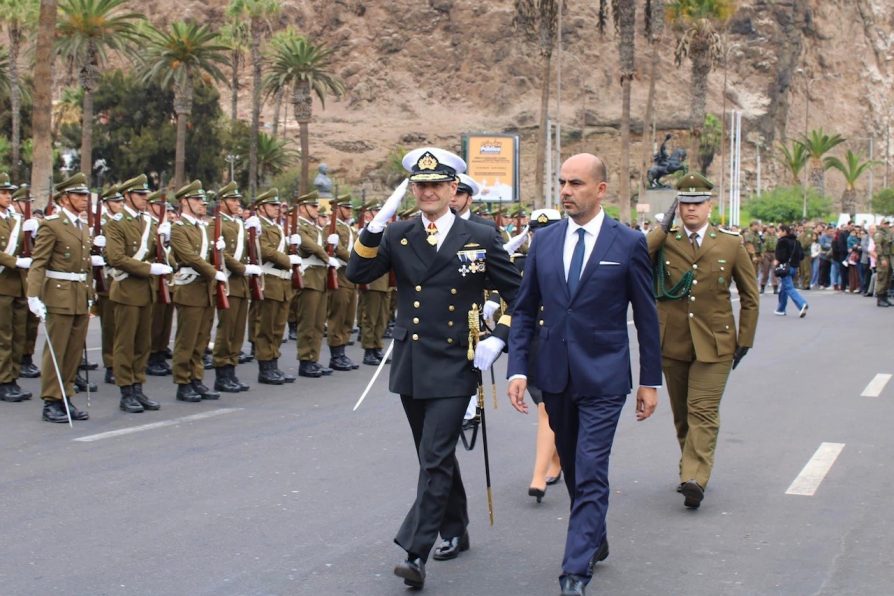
[
  {"x": 726, "y": 231},
  {"x": 118, "y": 216},
  {"x": 51, "y": 217},
  {"x": 178, "y": 223}
]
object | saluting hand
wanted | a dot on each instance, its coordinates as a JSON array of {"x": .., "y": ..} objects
[
  {"x": 516, "y": 393},
  {"x": 646, "y": 402}
]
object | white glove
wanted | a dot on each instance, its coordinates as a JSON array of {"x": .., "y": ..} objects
[
  {"x": 490, "y": 307},
  {"x": 253, "y": 223},
  {"x": 332, "y": 239},
  {"x": 333, "y": 262},
  {"x": 97, "y": 261},
  {"x": 487, "y": 352},
  {"x": 37, "y": 307},
  {"x": 389, "y": 208},
  {"x": 30, "y": 225},
  {"x": 159, "y": 269},
  {"x": 220, "y": 244},
  {"x": 23, "y": 262},
  {"x": 295, "y": 239},
  {"x": 164, "y": 229},
  {"x": 253, "y": 270},
  {"x": 516, "y": 241},
  {"x": 99, "y": 241},
  {"x": 294, "y": 260},
  {"x": 220, "y": 276}
]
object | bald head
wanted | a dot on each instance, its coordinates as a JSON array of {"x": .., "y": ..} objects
[
  {"x": 582, "y": 186},
  {"x": 593, "y": 164}
]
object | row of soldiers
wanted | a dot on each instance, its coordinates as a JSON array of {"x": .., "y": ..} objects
[{"x": 252, "y": 271}]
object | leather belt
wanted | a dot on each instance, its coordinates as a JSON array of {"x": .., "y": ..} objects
[{"x": 81, "y": 277}]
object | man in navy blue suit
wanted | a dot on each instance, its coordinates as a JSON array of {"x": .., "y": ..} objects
[{"x": 580, "y": 276}]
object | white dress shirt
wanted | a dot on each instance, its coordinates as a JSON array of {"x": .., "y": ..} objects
[
  {"x": 701, "y": 233},
  {"x": 592, "y": 228},
  {"x": 443, "y": 223}
]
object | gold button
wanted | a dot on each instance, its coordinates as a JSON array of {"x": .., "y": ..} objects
[
  {"x": 695, "y": 265},
  {"x": 692, "y": 298},
  {"x": 694, "y": 281},
  {"x": 449, "y": 340},
  {"x": 541, "y": 322},
  {"x": 691, "y": 315},
  {"x": 415, "y": 337},
  {"x": 453, "y": 290},
  {"x": 451, "y": 308},
  {"x": 416, "y": 320},
  {"x": 450, "y": 323},
  {"x": 418, "y": 288}
]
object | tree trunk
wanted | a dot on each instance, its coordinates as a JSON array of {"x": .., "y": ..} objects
[
  {"x": 849, "y": 202},
  {"x": 817, "y": 176},
  {"x": 627, "y": 63},
  {"x": 277, "y": 108},
  {"x": 701, "y": 67},
  {"x": 539, "y": 198},
  {"x": 42, "y": 105},
  {"x": 647, "y": 123},
  {"x": 182, "y": 108},
  {"x": 256, "y": 59},
  {"x": 234, "y": 88},
  {"x": 302, "y": 106},
  {"x": 305, "y": 158},
  {"x": 87, "y": 136},
  {"x": 15, "y": 98}
]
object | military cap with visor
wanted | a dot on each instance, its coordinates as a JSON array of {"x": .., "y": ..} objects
[
  {"x": 541, "y": 218},
  {"x": 157, "y": 197},
  {"x": 138, "y": 184},
  {"x": 468, "y": 185},
  {"x": 430, "y": 164},
  {"x": 5, "y": 183},
  {"x": 112, "y": 193},
  {"x": 230, "y": 191},
  {"x": 193, "y": 190},
  {"x": 76, "y": 184},
  {"x": 694, "y": 188},
  {"x": 269, "y": 197},
  {"x": 342, "y": 200},
  {"x": 23, "y": 194},
  {"x": 312, "y": 198}
]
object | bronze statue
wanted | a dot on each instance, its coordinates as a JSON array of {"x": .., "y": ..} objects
[{"x": 665, "y": 164}]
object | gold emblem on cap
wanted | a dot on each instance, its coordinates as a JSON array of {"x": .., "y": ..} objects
[
  {"x": 427, "y": 162},
  {"x": 542, "y": 218}
]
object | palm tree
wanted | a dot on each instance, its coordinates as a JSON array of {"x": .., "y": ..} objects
[
  {"x": 699, "y": 23},
  {"x": 278, "y": 38},
  {"x": 818, "y": 144},
  {"x": 234, "y": 35},
  {"x": 19, "y": 16},
  {"x": 305, "y": 67},
  {"x": 68, "y": 109},
  {"x": 274, "y": 156},
  {"x": 259, "y": 13},
  {"x": 88, "y": 30},
  {"x": 180, "y": 58},
  {"x": 42, "y": 150},
  {"x": 851, "y": 168},
  {"x": 793, "y": 160}
]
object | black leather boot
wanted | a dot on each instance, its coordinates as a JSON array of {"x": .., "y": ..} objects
[
  {"x": 110, "y": 376},
  {"x": 266, "y": 376},
  {"x": 243, "y": 357},
  {"x": 26, "y": 395},
  {"x": 325, "y": 371},
  {"x": 81, "y": 384},
  {"x": 28, "y": 370},
  {"x": 86, "y": 365},
  {"x": 185, "y": 392},
  {"x": 143, "y": 399},
  {"x": 77, "y": 414},
  {"x": 231, "y": 373},
  {"x": 339, "y": 360},
  {"x": 54, "y": 411},
  {"x": 286, "y": 377},
  {"x": 128, "y": 403},
  {"x": 203, "y": 390},
  {"x": 206, "y": 361},
  {"x": 370, "y": 357},
  {"x": 763, "y": 287},
  {"x": 306, "y": 368},
  {"x": 8, "y": 393},
  {"x": 157, "y": 366},
  {"x": 293, "y": 331},
  {"x": 223, "y": 383}
]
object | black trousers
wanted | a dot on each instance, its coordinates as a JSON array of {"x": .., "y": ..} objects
[{"x": 440, "y": 505}]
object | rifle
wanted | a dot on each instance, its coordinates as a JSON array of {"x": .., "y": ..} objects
[
  {"x": 498, "y": 218},
  {"x": 332, "y": 274},
  {"x": 297, "y": 281},
  {"x": 27, "y": 237},
  {"x": 254, "y": 281},
  {"x": 99, "y": 279},
  {"x": 217, "y": 255},
  {"x": 164, "y": 292}
]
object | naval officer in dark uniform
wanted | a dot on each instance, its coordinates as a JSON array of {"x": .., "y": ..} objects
[{"x": 443, "y": 264}]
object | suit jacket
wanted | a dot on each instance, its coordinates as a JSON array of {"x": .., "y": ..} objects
[
  {"x": 186, "y": 243},
  {"x": 12, "y": 279},
  {"x": 435, "y": 292},
  {"x": 583, "y": 343},
  {"x": 61, "y": 247},
  {"x": 124, "y": 234},
  {"x": 701, "y": 325}
]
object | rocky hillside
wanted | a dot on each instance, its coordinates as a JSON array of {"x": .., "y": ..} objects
[{"x": 425, "y": 71}]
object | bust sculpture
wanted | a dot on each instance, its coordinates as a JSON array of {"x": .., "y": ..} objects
[{"x": 322, "y": 182}]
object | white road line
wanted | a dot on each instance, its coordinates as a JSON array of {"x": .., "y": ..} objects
[
  {"x": 136, "y": 429},
  {"x": 816, "y": 469},
  {"x": 876, "y": 385}
]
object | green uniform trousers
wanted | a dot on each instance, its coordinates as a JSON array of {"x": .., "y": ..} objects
[
  {"x": 271, "y": 324},
  {"x": 695, "y": 389},
  {"x": 105, "y": 308},
  {"x": 804, "y": 272},
  {"x": 374, "y": 319},
  {"x": 68, "y": 333},
  {"x": 133, "y": 340},
  {"x": 883, "y": 276},
  {"x": 193, "y": 333},
  {"x": 230, "y": 334},
  {"x": 13, "y": 322},
  {"x": 341, "y": 307},
  {"x": 30, "y": 334},
  {"x": 311, "y": 319}
]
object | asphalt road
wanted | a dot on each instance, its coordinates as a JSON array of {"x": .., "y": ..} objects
[{"x": 283, "y": 490}]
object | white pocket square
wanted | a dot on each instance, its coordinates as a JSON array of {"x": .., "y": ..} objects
[{"x": 608, "y": 263}]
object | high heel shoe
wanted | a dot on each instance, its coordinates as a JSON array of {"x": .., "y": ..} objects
[
  {"x": 537, "y": 493},
  {"x": 550, "y": 480}
]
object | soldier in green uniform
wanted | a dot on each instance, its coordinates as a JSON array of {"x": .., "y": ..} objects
[
  {"x": 273, "y": 311},
  {"x": 193, "y": 292},
  {"x": 59, "y": 293},
  {"x": 373, "y": 305},
  {"x": 882, "y": 239},
  {"x": 162, "y": 314},
  {"x": 806, "y": 237},
  {"x": 751, "y": 239},
  {"x": 20, "y": 200},
  {"x": 342, "y": 301},
  {"x": 766, "y": 265},
  {"x": 131, "y": 238},
  {"x": 13, "y": 305},
  {"x": 113, "y": 203},
  {"x": 231, "y": 322},
  {"x": 312, "y": 298},
  {"x": 694, "y": 265}
]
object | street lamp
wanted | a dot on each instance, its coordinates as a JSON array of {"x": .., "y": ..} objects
[{"x": 231, "y": 159}]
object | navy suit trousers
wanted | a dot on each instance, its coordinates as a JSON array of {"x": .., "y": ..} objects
[{"x": 585, "y": 429}]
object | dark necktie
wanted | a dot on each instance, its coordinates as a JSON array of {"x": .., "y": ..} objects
[
  {"x": 577, "y": 262},
  {"x": 693, "y": 237}
]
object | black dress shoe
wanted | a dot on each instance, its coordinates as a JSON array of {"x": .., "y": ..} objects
[
  {"x": 537, "y": 493},
  {"x": 54, "y": 411},
  {"x": 601, "y": 554},
  {"x": 28, "y": 370},
  {"x": 451, "y": 547},
  {"x": 203, "y": 391},
  {"x": 9, "y": 394},
  {"x": 692, "y": 494},
  {"x": 369, "y": 357},
  {"x": 186, "y": 392},
  {"x": 143, "y": 399},
  {"x": 412, "y": 571},
  {"x": 110, "y": 376},
  {"x": 26, "y": 395},
  {"x": 81, "y": 384},
  {"x": 85, "y": 365},
  {"x": 77, "y": 414},
  {"x": 572, "y": 585},
  {"x": 551, "y": 480},
  {"x": 128, "y": 402}
]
